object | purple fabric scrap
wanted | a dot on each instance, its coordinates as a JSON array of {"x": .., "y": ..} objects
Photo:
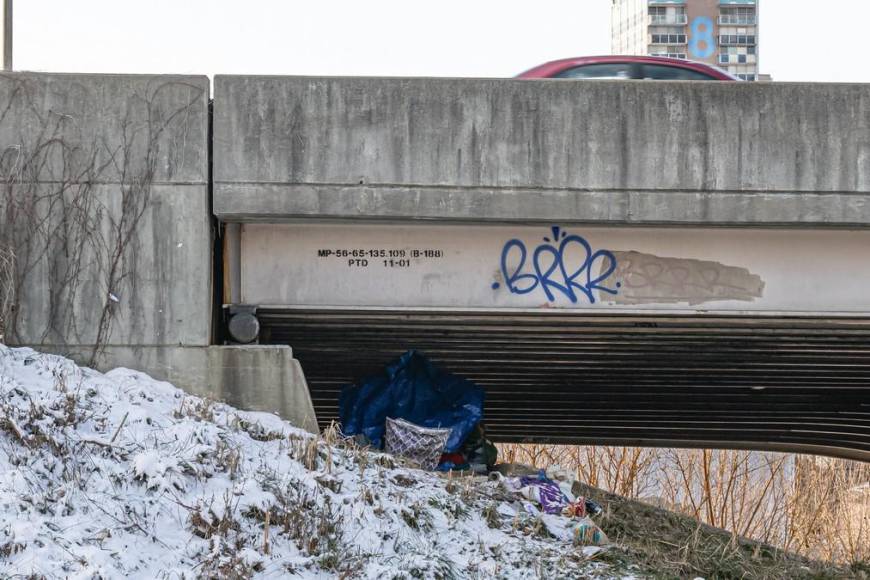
[{"x": 551, "y": 497}]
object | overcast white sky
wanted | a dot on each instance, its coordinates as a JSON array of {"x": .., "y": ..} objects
[{"x": 800, "y": 40}]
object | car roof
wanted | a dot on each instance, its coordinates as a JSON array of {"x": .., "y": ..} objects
[{"x": 553, "y": 67}]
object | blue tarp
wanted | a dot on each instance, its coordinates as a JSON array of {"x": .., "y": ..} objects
[{"x": 414, "y": 389}]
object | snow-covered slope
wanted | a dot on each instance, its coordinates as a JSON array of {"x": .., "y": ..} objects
[{"x": 119, "y": 475}]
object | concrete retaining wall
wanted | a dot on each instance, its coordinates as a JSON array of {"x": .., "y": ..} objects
[
  {"x": 83, "y": 157},
  {"x": 508, "y": 150},
  {"x": 105, "y": 202}
]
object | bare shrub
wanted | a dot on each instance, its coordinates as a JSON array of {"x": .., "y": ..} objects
[
  {"x": 742, "y": 491},
  {"x": 828, "y": 516},
  {"x": 71, "y": 208}
]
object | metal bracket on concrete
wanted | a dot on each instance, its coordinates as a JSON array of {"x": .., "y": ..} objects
[{"x": 243, "y": 326}]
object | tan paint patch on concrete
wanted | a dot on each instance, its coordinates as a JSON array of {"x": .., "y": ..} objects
[{"x": 650, "y": 279}]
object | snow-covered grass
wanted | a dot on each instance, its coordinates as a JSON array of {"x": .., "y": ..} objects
[{"x": 119, "y": 475}]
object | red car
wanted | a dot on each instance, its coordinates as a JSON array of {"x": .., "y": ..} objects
[{"x": 628, "y": 67}]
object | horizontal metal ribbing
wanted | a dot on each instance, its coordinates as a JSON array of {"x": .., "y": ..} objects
[{"x": 740, "y": 381}]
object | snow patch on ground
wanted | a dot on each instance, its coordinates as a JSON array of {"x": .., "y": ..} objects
[{"x": 120, "y": 475}]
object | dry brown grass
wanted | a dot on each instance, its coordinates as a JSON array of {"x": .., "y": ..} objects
[
  {"x": 666, "y": 544},
  {"x": 816, "y": 507}
]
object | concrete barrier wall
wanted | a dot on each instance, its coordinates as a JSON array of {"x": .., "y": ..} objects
[
  {"x": 106, "y": 203},
  {"x": 509, "y": 150},
  {"x": 250, "y": 377}
]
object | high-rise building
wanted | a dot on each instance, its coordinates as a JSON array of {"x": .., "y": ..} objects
[{"x": 719, "y": 32}]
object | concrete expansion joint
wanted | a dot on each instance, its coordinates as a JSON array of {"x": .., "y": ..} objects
[{"x": 688, "y": 189}]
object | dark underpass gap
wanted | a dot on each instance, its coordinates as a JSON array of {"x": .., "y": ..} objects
[{"x": 796, "y": 384}]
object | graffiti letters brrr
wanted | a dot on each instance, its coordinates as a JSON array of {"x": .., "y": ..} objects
[{"x": 564, "y": 266}]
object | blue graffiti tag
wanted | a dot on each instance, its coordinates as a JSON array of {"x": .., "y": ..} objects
[{"x": 565, "y": 265}]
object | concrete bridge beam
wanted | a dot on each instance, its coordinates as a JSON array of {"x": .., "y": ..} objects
[{"x": 477, "y": 150}]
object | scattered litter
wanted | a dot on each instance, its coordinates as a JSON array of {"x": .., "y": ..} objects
[
  {"x": 540, "y": 490},
  {"x": 565, "y": 516},
  {"x": 435, "y": 419}
]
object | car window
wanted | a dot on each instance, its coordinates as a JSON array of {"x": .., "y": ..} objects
[
  {"x": 605, "y": 70},
  {"x": 672, "y": 73}
]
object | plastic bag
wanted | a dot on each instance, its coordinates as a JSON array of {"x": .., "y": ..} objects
[
  {"x": 586, "y": 533},
  {"x": 545, "y": 492}
]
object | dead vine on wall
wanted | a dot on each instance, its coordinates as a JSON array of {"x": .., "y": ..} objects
[{"x": 74, "y": 202}]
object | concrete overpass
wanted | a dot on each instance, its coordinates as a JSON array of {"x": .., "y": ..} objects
[
  {"x": 644, "y": 263},
  {"x": 641, "y": 263}
]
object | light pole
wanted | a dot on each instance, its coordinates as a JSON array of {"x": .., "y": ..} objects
[{"x": 6, "y": 45}]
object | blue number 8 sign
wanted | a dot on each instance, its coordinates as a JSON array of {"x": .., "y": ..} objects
[{"x": 701, "y": 32}]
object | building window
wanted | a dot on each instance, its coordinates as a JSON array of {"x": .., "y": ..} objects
[
  {"x": 667, "y": 15},
  {"x": 669, "y": 51},
  {"x": 737, "y": 15},
  {"x": 736, "y": 39},
  {"x": 737, "y": 55},
  {"x": 747, "y": 77},
  {"x": 668, "y": 39}
]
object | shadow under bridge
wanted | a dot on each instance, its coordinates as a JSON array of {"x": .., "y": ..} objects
[{"x": 792, "y": 384}]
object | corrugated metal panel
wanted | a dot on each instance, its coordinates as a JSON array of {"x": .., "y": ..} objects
[{"x": 777, "y": 383}]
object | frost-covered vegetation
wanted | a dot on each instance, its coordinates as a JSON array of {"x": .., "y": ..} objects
[{"x": 118, "y": 475}]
